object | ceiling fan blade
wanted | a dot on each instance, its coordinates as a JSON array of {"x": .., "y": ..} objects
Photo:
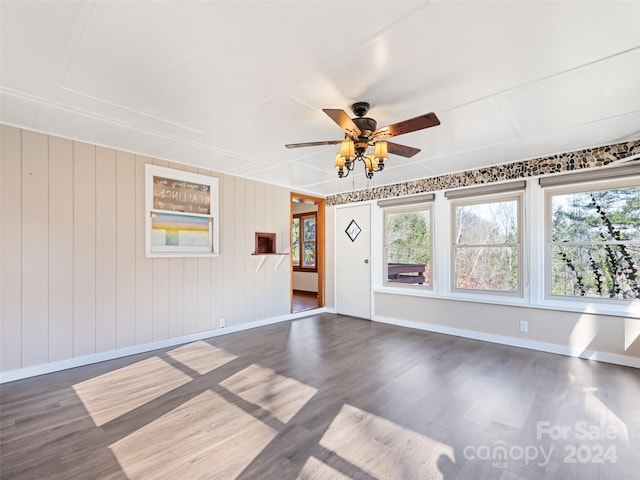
[
  {"x": 343, "y": 120},
  {"x": 401, "y": 150},
  {"x": 313, "y": 144},
  {"x": 418, "y": 123}
]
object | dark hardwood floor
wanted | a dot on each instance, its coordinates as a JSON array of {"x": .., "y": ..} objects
[
  {"x": 303, "y": 301},
  {"x": 326, "y": 397}
]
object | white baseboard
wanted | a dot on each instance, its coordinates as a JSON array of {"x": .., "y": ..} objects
[
  {"x": 606, "y": 357},
  {"x": 33, "y": 371}
]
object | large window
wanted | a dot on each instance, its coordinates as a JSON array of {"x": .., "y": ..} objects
[
  {"x": 486, "y": 244},
  {"x": 408, "y": 245},
  {"x": 303, "y": 242},
  {"x": 593, "y": 241}
]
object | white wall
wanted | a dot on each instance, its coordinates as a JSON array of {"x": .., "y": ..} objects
[
  {"x": 605, "y": 337},
  {"x": 75, "y": 280}
]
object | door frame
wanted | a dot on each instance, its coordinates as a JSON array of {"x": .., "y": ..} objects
[{"x": 320, "y": 245}]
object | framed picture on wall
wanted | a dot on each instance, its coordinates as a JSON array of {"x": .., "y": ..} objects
[{"x": 181, "y": 213}]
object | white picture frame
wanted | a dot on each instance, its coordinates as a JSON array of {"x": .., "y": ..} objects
[{"x": 181, "y": 213}]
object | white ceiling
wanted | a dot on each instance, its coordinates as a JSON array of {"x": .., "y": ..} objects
[{"x": 225, "y": 85}]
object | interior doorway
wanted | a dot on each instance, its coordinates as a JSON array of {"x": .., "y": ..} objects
[{"x": 307, "y": 252}]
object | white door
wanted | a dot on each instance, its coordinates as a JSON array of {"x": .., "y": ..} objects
[{"x": 353, "y": 261}]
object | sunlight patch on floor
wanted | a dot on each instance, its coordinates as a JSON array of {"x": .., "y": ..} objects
[
  {"x": 282, "y": 396},
  {"x": 201, "y": 356},
  {"x": 383, "y": 448},
  {"x": 314, "y": 469},
  {"x": 116, "y": 393},
  {"x": 205, "y": 437}
]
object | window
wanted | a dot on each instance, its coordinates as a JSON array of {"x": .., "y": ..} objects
[
  {"x": 593, "y": 241},
  {"x": 181, "y": 213},
  {"x": 486, "y": 244},
  {"x": 407, "y": 245},
  {"x": 303, "y": 242}
]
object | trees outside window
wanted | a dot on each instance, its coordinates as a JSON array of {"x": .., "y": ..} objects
[
  {"x": 593, "y": 243},
  {"x": 408, "y": 245},
  {"x": 303, "y": 242},
  {"x": 487, "y": 245}
]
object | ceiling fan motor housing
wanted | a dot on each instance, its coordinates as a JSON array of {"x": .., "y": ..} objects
[{"x": 367, "y": 126}]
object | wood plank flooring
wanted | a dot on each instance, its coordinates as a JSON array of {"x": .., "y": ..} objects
[
  {"x": 303, "y": 301},
  {"x": 326, "y": 397}
]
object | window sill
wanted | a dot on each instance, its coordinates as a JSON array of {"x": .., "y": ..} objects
[{"x": 628, "y": 311}]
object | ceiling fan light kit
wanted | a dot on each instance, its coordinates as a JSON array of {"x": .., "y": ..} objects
[{"x": 361, "y": 133}]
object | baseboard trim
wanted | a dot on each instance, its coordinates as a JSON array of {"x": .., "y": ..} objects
[
  {"x": 606, "y": 357},
  {"x": 27, "y": 372}
]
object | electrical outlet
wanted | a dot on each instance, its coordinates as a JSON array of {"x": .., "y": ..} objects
[
  {"x": 223, "y": 322},
  {"x": 524, "y": 326}
]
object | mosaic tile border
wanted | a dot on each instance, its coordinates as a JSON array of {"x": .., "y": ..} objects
[{"x": 563, "y": 162}]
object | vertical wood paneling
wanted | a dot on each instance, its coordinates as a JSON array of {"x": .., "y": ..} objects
[
  {"x": 160, "y": 290},
  {"x": 282, "y": 273},
  {"x": 217, "y": 270},
  {"x": 204, "y": 294},
  {"x": 228, "y": 245},
  {"x": 249, "y": 235},
  {"x": 270, "y": 287},
  {"x": 176, "y": 266},
  {"x": 84, "y": 249},
  {"x": 10, "y": 248},
  {"x": 75, "y": 279},
  {"x": 35, "y": 248},
  {"x": 190, "y": 296},
  {"x": 106, "y": 257},
  {"x": 60, "y": 249},
  {"x": 261, "y": 226},
  {"x": 241, "y": 252},
  {"x": 144, "y": 267},
  {"x": 125, "y": 249},
  {"x": 176, "y": 297},
  {"x": 204, "y": 287}
]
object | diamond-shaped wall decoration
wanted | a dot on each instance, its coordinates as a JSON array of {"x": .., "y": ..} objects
[{"x": 353, "y": 230}]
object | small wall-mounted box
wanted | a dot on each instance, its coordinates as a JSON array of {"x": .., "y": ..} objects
[{"x": 265, "y": 243}]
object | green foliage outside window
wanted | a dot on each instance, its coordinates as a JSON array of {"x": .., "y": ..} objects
[
  {"x": 408, "y": 242},
  {"x": 595, "y": 244}
]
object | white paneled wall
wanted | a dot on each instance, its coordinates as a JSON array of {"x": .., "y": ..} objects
[{"x": 75, "y": 280}]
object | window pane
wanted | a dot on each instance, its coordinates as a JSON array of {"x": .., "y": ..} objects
[
  {"x": 309, "y": 259},
  {"x": 295, "y": 255},
  {"x": 408, "y": 228},
  {"x": 295, "y": 241},
  {"x": 487, "y": 223},
  {"x": 409, "y": 265},
  {"x": 295, "y": 231},
  {"x": 487, "y": 268},
  {"x": 596, "y": 216},
  {"x": 309, "y": 228},
  {"x": 408, "y": 246},
  {"x": 604, "y": 271}
]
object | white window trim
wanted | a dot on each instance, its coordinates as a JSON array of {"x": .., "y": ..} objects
[
  {"x": 212, "y": 182},
  {"x": 518, "y": 196},
  {"x": 407, "y": 207},
  {"x": 591, "y": 304},
  {"x": 533, "y": 241}
]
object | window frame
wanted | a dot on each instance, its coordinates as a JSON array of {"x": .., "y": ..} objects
[
  {"x": 301, "y": 267},
  {"x": 152, "y": 211},
  {"x": 483, "y": 199},
  {"x": 567, "y": 189},
  {"x": 409, "y": 207}
]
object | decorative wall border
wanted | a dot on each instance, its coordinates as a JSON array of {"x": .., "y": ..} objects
[{"x": 563, "y": 162}]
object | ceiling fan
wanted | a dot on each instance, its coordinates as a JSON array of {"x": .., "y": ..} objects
[{"x": 361, "y": 132}]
